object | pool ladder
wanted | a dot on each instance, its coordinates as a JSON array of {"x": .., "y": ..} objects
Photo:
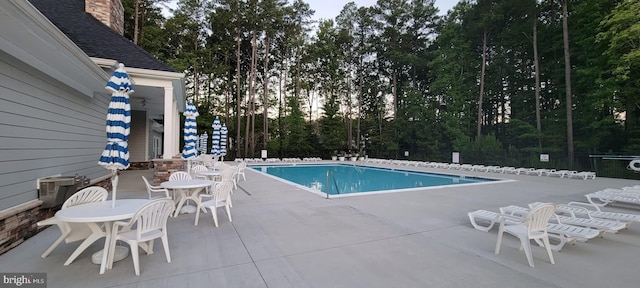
[{"x": 333, "y": 176}]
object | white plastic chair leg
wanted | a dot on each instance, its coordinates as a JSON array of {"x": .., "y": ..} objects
[
  {"x": 499, "y": 242},
  {"x": 165, "y": 244},
  {"x": 228, "y": 211},
  {"x": 135, "y": 257},
  {"x": 149, "y": 249},
  {"x": 548, "y": 247},
  {"x": 214, "y": 213},
  {"x": 526, "y": 245}
]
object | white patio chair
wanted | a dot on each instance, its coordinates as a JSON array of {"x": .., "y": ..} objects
[
  {"x": 179, "y": 175},
  {"x": 219, "y": 197},
  {"x": 561, "y": 233},
  {"x": 150, "y": 223},
  {"x": 534, "y": 227},
  {"x": 155, "y": 192},
  {"x": 196, "y": 169},
  {"x": 584, "y": 175},
  {"x": 229, "y": 173},
  {"x": 72, "y": 232},
  {"x": 240, "y": 171}
]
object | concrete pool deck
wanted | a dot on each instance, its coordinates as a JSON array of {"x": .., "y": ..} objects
[{"x": 282, "y": 236}]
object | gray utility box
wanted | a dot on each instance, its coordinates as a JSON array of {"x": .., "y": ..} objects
[{"x": 53, "y": 191}]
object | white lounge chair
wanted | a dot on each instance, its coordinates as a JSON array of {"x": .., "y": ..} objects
[
  {"x": 492, "y": 168},
  {"x": 561, "y": 173},
  {"x": 608, "y": 196},
  {"x": 602, "y": 225},
  {"x": 540, "y": 172},
  {"x": 480, "y": 168},
  {"x": 563, "y": 233},
  {"x": 507, "y": 169},
  {"x": 534, "y": 227},
  {"x": 583, "y": 175},
  {"x": 588, "y": 210},
  {"x": 594, "y": 211},
  {"x": 519, "y": 171},
  {"x": 467, "y": 167}
]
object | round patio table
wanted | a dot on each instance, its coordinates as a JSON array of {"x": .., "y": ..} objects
[
  {"x": 211, "y": 174},
  {"x": 187, "y": 189},
  {"x": 96, "y": 213}
]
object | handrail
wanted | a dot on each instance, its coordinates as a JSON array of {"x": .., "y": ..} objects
[{"x": 333, "y": 176}]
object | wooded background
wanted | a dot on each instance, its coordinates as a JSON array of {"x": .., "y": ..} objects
[{"x": 500, "y": 81}]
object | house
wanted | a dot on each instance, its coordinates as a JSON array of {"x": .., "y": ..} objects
[{"x": 55, "y": 60}]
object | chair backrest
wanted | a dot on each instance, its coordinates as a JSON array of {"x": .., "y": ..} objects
[
  {"x": 198, "y": 168},
  {"x": 87, "y": 195},
  {"x": 152, "y": 216},
  {"x": 538, "y": 218},
  {"x": 228, "y": 173},
  {"x": 223, "y": 190},
  {"x": 206, "y": 160},
  {"x": 179, "y": 175}
]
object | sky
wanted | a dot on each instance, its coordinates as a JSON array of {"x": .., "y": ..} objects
[{"x": 329, "y": 9}]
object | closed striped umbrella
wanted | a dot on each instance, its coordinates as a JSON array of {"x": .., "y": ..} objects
[
  {"x": 223, "y": 140},
  {"x": 116, "y": 154},
  {"x": 215, "y": 137},
  {"x": 189, "y": 151},
  {"x": 204, "y": 138}
]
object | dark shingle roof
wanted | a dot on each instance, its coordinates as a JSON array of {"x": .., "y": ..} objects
[{"x": 95, "y": 38}]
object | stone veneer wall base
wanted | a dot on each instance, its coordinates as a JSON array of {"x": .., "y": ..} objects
[
  {"x": 18, "y": 223},
  {"x": 164, "y": 167}
]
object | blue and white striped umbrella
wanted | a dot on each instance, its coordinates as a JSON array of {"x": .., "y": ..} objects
[
  {"x": 204, "y": 138},
  {"x": 215, "y": 138},
  {"x": 116, "y": 154},
  {"x": 223, "y": 140},
  {"x": 190, "y": 132}
]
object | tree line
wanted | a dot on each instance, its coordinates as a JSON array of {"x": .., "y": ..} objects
[{"x": 492, "y": 79}]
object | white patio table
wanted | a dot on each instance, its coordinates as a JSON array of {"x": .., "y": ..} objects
[
  {"x": 95, "y": 214},
  {"x": 210, "y": 174},
  {"x": 187, "y": 189}
]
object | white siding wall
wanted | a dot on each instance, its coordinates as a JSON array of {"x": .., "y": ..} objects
[{"x": 46, "y": 128}]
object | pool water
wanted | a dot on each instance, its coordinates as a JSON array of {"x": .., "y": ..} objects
[{"x": 353, "y": 179}]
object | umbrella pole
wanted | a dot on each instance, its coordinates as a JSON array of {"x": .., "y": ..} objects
[{"x": 114, "y": 186}]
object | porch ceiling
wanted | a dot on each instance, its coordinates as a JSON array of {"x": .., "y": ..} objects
[{"x": 150, "y": 99}]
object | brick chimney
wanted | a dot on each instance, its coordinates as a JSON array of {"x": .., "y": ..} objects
[{"x": 109, "y": 12}]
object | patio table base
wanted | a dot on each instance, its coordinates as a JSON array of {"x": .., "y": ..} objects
[{"x": 120, "y": 253}]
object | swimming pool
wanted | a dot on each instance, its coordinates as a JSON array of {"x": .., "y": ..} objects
[{"x": 351, "y": 180}]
